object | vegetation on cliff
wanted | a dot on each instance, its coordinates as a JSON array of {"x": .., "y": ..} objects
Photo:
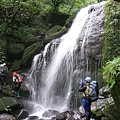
[
  {"x": 111, "y": 41},
  {"x": 111, "y": 55}
]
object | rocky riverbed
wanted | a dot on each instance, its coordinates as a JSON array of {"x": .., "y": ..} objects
[{"x": 22, "y": 108}]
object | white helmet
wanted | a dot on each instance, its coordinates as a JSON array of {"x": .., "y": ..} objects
[{"x": 88, "y": 79}]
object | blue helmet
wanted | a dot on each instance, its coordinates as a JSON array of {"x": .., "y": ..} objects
[{"x": 88, "y": 79}]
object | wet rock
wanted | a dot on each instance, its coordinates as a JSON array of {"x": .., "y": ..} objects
[
  {"x": 24, "y": 91},
  {"x": 23, "y": 114},
  {"x": 18, "y": 111},
  {"x": 33, "y": 118},
  {"x": 50, "y": 113},
  {"x": 65, "y": 115},
  {"x": 104, "y": 91},
  {"x": 16, "y": 106},
  {"x": 91, "y": 9},
  {"x": 29, "y": 105},
  {"x": 7, "y": 117}
]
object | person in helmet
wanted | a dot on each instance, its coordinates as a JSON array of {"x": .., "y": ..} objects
[
  {"x": 41, "y": 37},
  {"x": 88, "y": 79},
  {"x": 17, "y": 80},
  {"x": 4, "y": 74},
  {"x": 86, "y": 101}
]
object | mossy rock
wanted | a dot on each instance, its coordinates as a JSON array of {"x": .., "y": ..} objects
[
  {"x": 16, "y": 48},
  {"x": 5, "y": 102},
  {"x": 28, "y": 39},
  {"x": 29, "y": 54},
  {"x": 15, "y": 51},
  {"x": 16, "y": 65},
  {"x": 53, "y": 30},
  {"x": 97, "y": 114},
  {"x": 112, "y": 112}
]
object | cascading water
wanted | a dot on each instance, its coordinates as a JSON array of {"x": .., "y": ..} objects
[{"x": 51, "y": 74}]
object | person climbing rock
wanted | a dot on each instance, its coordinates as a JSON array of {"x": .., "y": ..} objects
[
  {"x": 4, "y": 74},
  {"x": 0, "y": 80},
  {"x": 17, "y": 80},
  {"x": 41, "y": 37},
  {"x": 89, "y": 95}
]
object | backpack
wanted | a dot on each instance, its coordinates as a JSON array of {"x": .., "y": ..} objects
[
  {"x": 94, "y": 89},
  {"x": 5, "y": 69},
  {"x": 1, "y": 68}
]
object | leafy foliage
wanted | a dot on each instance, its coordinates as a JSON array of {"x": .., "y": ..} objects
[
  {"x": 111, "y": 40},
  {"x": 111, "y": 72},
  {"x": 23, "y": 20}
]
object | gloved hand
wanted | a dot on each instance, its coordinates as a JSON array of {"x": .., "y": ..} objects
[{"x": 81, "y": 84}]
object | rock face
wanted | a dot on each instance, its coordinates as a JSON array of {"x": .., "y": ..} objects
[
  {"x": 29, "y": 52},
  {"x": 90, "y": 40},
  {"x": 89, "y": 51}
]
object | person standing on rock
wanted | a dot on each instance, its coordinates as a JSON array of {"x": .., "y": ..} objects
[
  {"x": 86, "y": 101},
  {"x": 3, "y": 74},
  {"x": 17, "y": 80},
  {"x": 41, "y": 37}
]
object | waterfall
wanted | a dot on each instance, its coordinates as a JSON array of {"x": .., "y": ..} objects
[{"x": 50, "y": 77}]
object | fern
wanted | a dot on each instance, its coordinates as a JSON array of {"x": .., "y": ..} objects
[{"x": 111, "y": 72}]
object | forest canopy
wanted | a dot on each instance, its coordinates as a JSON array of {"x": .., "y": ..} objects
[{"x": 21, "y": 19}]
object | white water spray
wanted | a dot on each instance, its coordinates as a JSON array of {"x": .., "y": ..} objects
[{"x": 51, "y": 85}]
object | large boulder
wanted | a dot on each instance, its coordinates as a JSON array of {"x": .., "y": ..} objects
[
  {"x": 52, "y": 33},
  {"x": 50, "y": 113},
  {"x": 18, "y": 111},
  {"x": 29, "y": 53},
  {"x": 16, "y": 65},
  {"x": 24, "y": 91},
  {"x": 28, "y": 39},
  {"x": 6, "y": 102},
  {"x": 15, "y": 51},
  {"x": 21, "y": 114}
]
